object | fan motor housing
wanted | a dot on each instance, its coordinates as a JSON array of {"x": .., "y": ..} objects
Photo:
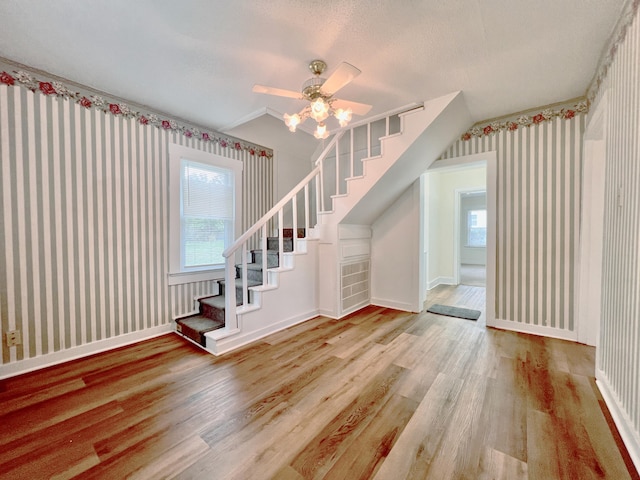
[{"x": 311, "y": 88}]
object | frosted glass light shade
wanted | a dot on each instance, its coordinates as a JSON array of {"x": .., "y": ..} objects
[
  {"x": 321, "y": 131},
  {"x": 319, "y": 109},
  {"x": 343, "y": 116},
  {"x": 292, "y": 121}
]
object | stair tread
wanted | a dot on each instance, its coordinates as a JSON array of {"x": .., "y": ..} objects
[
  {"x": 251, "y": 266},
  {"x": 215, "y": 301},
  {"x": 200, "y": 323},
  {"x": 250, "y": 283}
]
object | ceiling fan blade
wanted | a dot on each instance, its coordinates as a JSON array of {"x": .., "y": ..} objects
[
  {"x": 338, "y": 79},
  {"x": 356, "y": 108},
  {"x": 276, "y": 91}
]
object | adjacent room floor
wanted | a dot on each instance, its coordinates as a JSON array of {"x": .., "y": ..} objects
[{"x": 475, "y": 275}]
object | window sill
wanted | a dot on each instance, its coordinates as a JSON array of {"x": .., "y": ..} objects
[{"x": 180, "y": 278}]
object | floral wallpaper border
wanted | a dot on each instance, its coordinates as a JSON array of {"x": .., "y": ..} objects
[
  {"x": 512, "y": 123},
  {"x": 59, "y": 89},
  {"x": 620, "y": 33}
]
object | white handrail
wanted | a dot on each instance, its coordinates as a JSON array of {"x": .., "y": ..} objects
[
  {"x": 390, "y": 113},
  {"x": 331, "y": 144},
  {"x": 267, "y": 216}
]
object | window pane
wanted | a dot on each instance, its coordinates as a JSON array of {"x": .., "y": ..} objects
[
  {"x": 477, "y": 228},
  {"x": 207, "y": 213},
  {"x": 204, "y": 241}
]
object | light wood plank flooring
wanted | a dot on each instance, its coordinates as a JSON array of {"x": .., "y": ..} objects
[
  {"x": 474, "y": 275},
  {"x": 381, "y": 394}
]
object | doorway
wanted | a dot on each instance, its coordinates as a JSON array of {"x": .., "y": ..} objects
[
  {"x": 471, "y": 236},
  {"x": 442, "y": 250}
]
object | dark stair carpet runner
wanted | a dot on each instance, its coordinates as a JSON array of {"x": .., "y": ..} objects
[{"x": 212, "y": 309}]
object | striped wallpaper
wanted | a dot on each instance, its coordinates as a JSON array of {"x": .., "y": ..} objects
[
  {"x": 84, "y": 225},
  {"x": 537, "y": 221},
  {"x": 618, "y": 353}
]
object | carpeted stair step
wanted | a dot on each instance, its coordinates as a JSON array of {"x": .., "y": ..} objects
[
  {"x": 254, "y": 272},
  {"x": 213, "y": 307},
  {"x": 274, "y": 244},
  {"x": 272, "y": 258},
  {"x": 196, "y": 326},
  {"x": 250, "y": 283}
]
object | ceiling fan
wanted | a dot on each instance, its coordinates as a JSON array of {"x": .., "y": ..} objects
[{"x": 319, "y": 93}]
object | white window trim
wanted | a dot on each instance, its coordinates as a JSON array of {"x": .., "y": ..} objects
[{"x": 177, "y": 152}]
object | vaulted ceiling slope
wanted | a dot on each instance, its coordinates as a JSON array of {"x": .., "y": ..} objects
[{"x": 198, "y": 59}]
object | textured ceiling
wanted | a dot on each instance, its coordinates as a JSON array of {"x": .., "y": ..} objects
[{"x": 198, "y": 59}]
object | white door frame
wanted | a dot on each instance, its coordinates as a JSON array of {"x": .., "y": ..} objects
[
  {"x": 588, "y": 300},
  {"x": 490, "y": 160}
]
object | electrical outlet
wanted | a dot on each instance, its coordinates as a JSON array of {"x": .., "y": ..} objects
[{"x": 14, "y": 338}]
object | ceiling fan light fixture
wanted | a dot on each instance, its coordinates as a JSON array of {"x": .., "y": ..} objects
[
  {"x": 319, "y": 109},
  {"x": 343, "y": 116},
  {"x": 318, "y": 92},
  {"x": 292, "y": 121},
  {"x": 321, "y": 131}
]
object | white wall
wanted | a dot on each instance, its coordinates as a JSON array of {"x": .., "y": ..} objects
[
  {"x": 292, "y": 152},
  {"x": 396, "y": 252},
  {"x": 442, "y": 202}
]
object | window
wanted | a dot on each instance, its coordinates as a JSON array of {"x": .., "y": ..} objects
[
  {"x": 207, "y": 219},
  {"x": 477, "y": 228},
  {"x": 204, "y": 213}
]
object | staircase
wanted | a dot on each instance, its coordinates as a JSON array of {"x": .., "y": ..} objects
[
  {"x": 211, "y": 315},
  {"x": 361, "y": 171}
]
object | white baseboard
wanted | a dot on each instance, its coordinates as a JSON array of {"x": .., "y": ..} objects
[
  {"x": 355, "y": 308},
  {"x": 403, "y": 306},
  {"x": 219, "y": 346},
  {"x": 535, "y": 329},
  {"x": 61, "y": 356},
  {"x": 630, "y": 437},
  {"x": 440, "y": 281},
  {"x": 328, "y": 313}
]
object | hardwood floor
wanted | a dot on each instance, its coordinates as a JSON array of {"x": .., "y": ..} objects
[
  {"x": 474, "y": 275},
  {"x": 381, "y": 394}
]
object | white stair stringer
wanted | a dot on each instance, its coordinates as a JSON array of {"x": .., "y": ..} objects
[
  {"x": 290, "y": 297},
  {"x": 404, "y": 157}
]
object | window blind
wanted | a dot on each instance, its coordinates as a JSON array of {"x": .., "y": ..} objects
[{"x": 207, "y": 191}]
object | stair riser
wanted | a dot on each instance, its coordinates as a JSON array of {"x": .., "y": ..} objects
[
  {"x": 251, "y": 274},
  {"x": 272, "y": 258},
  {"x": 195, "y": 327},
  {"x": 194, "y": 335},
  {"x": 212, "y": 312},
  {"x": 238, "y": 293},
  {"x": 274, "y": 244}
]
